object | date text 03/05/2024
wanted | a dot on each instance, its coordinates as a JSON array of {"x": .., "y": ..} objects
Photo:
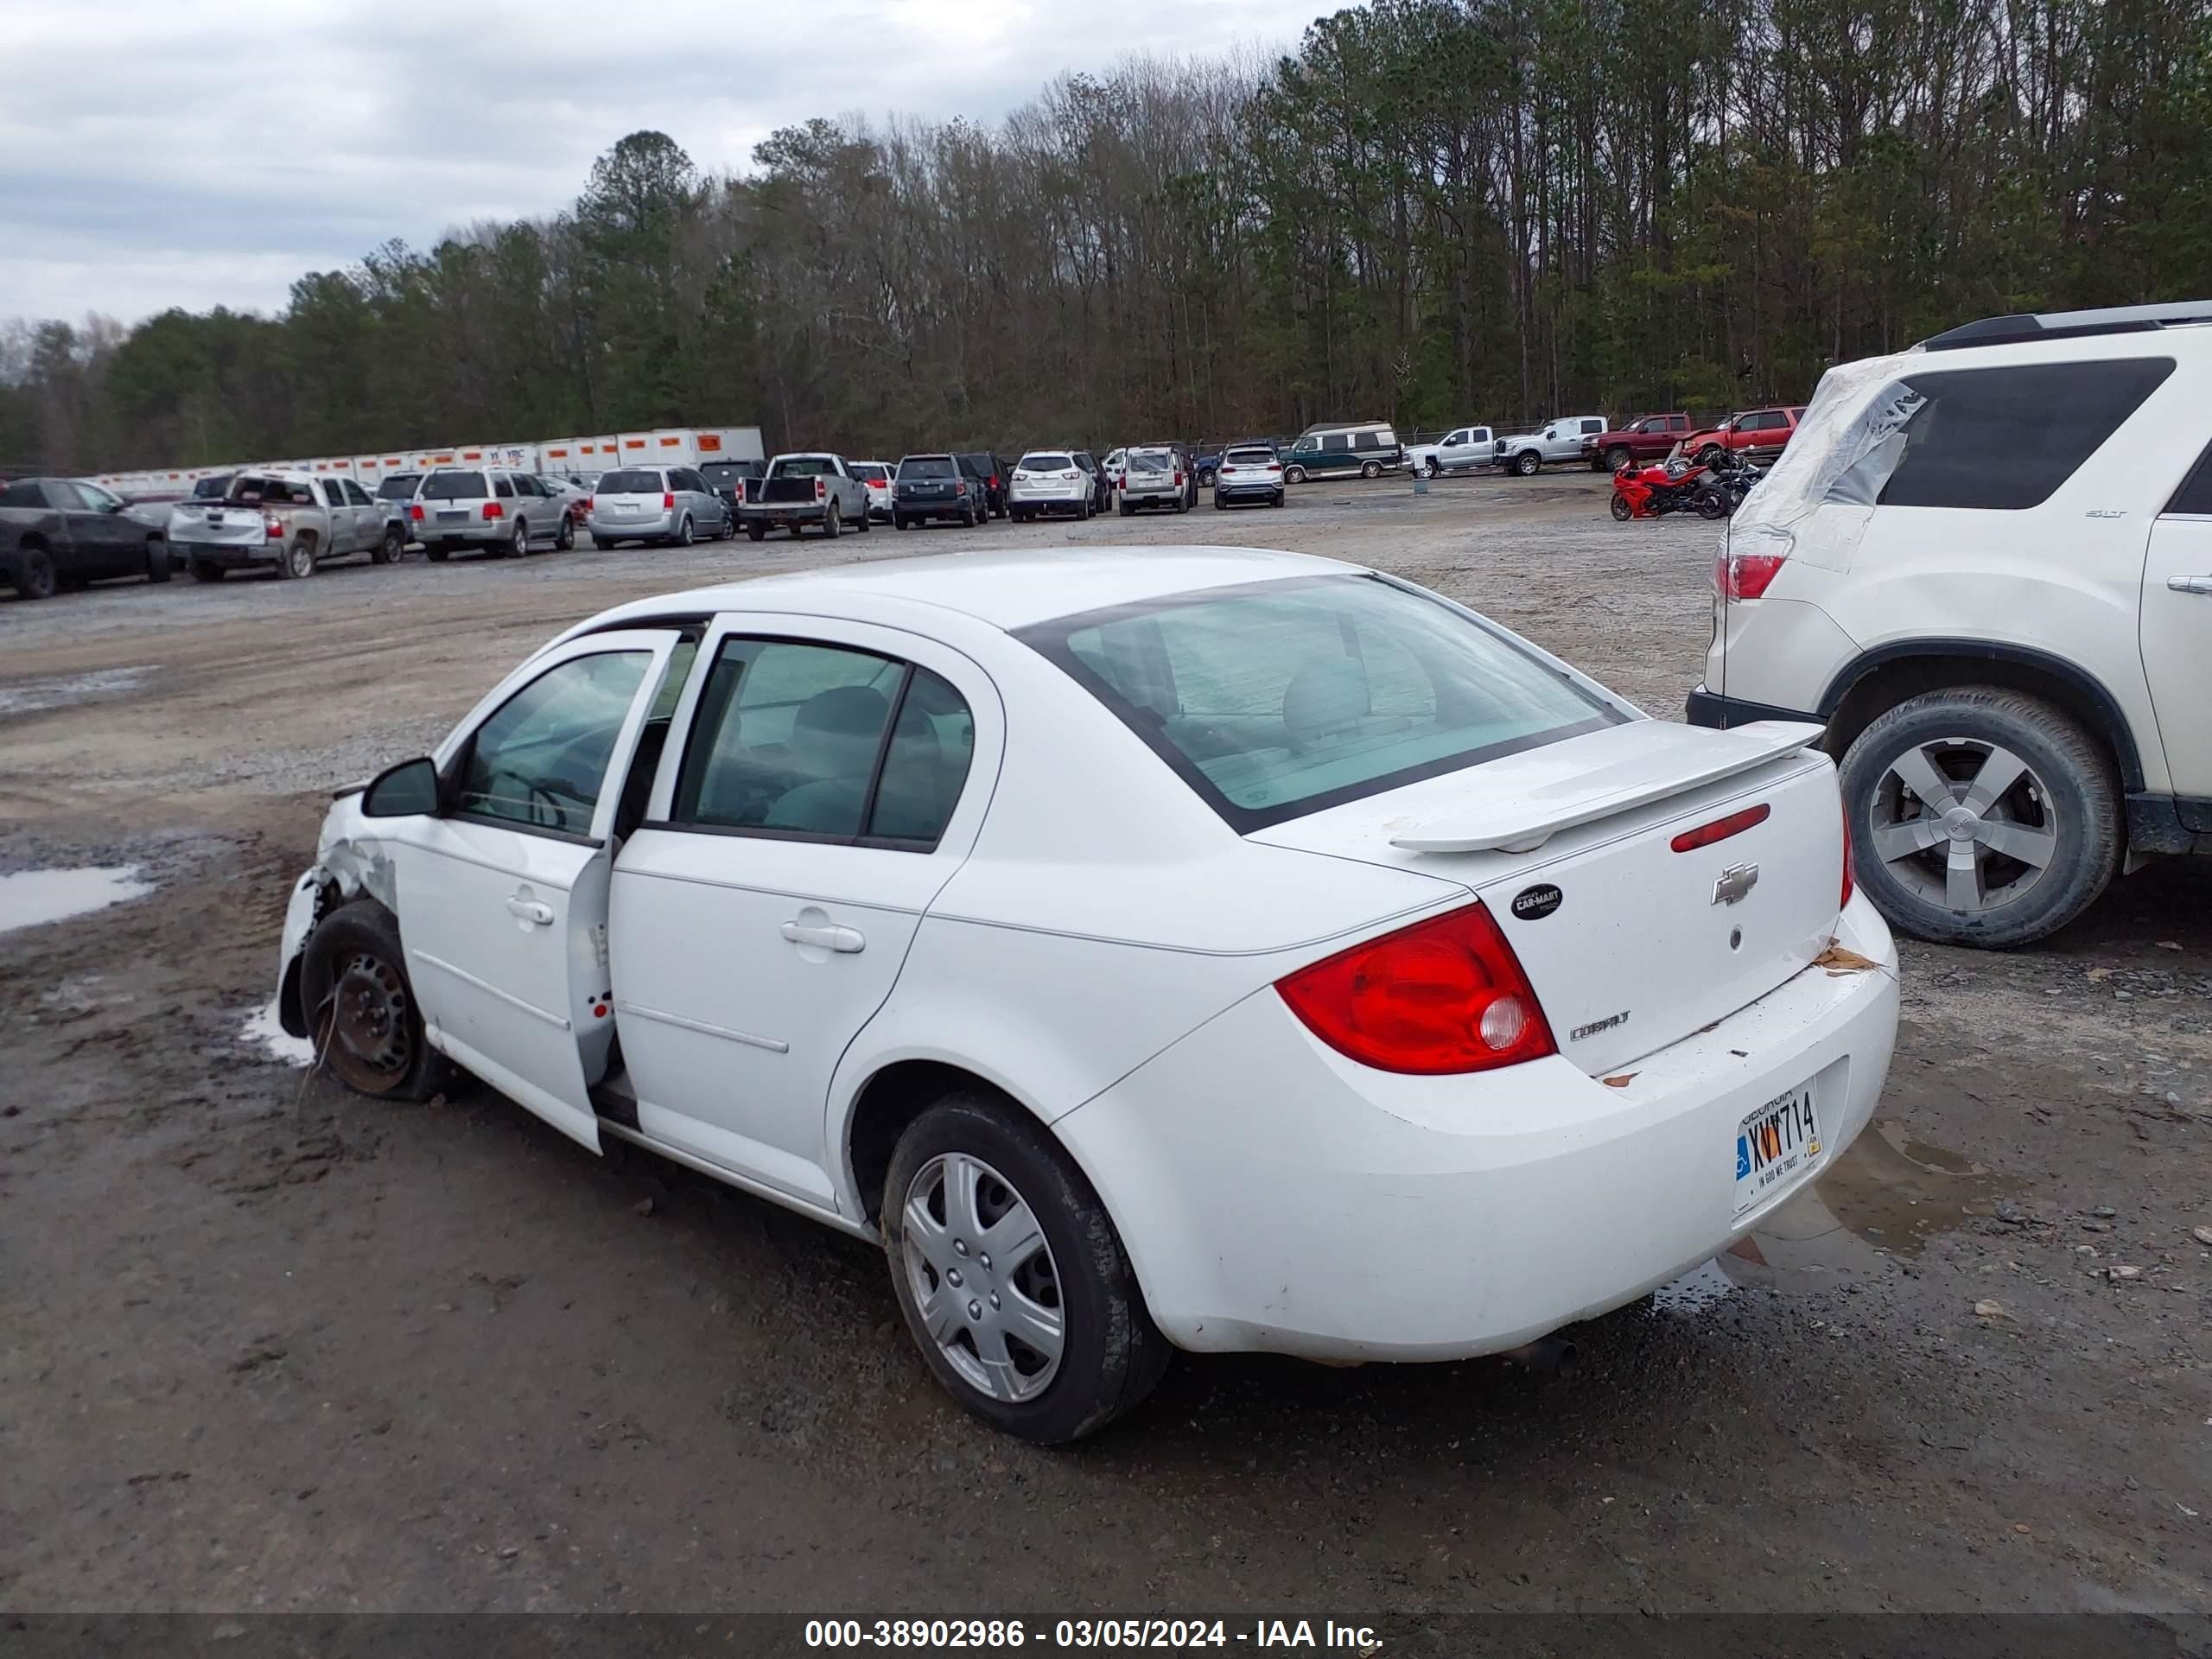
[{"x": 943, "y": 1634}]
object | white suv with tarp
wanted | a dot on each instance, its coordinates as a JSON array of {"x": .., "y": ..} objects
[{"x": 1986, "y": 563}]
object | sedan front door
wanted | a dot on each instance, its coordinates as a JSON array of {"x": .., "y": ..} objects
[
  {"x": 762, "y": 913},
  {"x": 502, "y": 896}
]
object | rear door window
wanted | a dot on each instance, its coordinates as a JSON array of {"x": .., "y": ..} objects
[
  {"x": 454, "y": 487},
  {"x": 629, "y": 481},
  {"x": 2005, "y": 439}
]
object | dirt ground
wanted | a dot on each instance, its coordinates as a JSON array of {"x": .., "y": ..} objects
[{"x": 264, "y": 1346}]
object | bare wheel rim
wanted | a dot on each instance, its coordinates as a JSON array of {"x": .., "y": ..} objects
[
  {"x": 302, "y": 557},
  {"x": 371, "y": 1041},
  {"x": 985, "y": 1287},
  {"x": 1964, "y": 824}
]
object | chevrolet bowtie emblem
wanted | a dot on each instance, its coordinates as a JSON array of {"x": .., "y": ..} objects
[{"x": 1734, "y": 882}]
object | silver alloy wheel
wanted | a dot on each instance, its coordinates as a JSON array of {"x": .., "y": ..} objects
[
  {"x": 1963, "y": 823},
  {"x": 302, "y": 557},
  {"x": 984, "y": 1283}
]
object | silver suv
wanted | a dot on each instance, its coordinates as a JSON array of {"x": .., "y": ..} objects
[
  {"x": 490, "y": 509},
  {"x": 657, "y": 504}
]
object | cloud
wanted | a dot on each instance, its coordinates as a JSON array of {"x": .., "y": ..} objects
[{"x": 198, "y": 155}]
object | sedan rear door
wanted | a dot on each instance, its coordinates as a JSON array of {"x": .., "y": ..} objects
[{"x": 833, "y": 778}]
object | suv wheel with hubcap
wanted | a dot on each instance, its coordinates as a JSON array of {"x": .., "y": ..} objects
[
  {"x": 1012, "y": 1279},
  {"x": 1981, "y": 816}
]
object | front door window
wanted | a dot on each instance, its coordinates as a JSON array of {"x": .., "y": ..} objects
[{"x": 540, "y": 761}]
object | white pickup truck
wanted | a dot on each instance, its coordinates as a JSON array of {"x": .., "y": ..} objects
[
  {"x": 799, "y": 490},
  {"x": 1457, "y": 451},
  {"x": 1555, "y": 441}
]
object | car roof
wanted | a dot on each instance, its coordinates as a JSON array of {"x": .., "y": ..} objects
[{"x": 1008, "y": 590}]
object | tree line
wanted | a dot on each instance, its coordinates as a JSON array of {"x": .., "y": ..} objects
[{"x": 1433, "y": 211}]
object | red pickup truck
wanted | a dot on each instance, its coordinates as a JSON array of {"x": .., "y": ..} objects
[
  {"x": 1647, "y": 437},
  {"x": 1755, "y": 434}
]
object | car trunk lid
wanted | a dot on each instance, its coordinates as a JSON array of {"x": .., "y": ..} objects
[{"x": 1630, "y": 943}]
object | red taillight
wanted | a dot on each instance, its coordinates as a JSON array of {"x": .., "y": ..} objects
[
  {"x": 1745, "y": 575},
  {"x": 274, "y": 527},
  {"x": 961, "y": 488},
  {"x": 821, "y": 488},
  {"x": 1720, "y": 828},
  {"x": 668, "y": 500},
  {"x": 1850, "y": 874},
  {"x": 493, "y": 510},
  {"x": 995, "y": 480},
  {"x": 1446, "y": 994},
  {"x": 585, "y": 504},
  {"x": 1179, "y": 478},
  {"x": 415, "y": 513},
  {"x": 1122, "y": 482}
]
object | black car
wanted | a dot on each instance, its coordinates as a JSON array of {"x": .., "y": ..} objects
[
  {"x": 61, "y": 533},
  {"x": 937, "y": 487},
  {"x": 993, "y": 474}
]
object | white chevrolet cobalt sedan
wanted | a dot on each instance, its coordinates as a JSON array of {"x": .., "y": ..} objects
[{"x": 1192, "y": 947}]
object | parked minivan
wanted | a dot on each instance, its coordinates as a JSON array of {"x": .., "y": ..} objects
[
  {"x": 1370, "y": 450},
  {"x": 657, "y": 504}
]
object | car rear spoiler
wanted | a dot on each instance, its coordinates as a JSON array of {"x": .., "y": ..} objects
[{"x": 1603, "y": 773}]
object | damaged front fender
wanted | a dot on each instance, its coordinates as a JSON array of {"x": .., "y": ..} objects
[{"x": 353, "y": 861}]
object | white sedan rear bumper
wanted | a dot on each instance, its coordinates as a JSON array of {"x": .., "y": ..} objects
[{"x": 1275, "y": 1196}]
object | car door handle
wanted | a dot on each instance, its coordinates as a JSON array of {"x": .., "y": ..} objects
[
  {"x": 2190, "y": 584},
  {"x": 532, "y": 910},
  {"x": 845, "y": 939}
]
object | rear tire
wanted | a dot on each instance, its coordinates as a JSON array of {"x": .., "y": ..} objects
[
  {"x": 202, "y": 570},
  {"x": 1369, "y": 469},
  {"x": 1079, "y": 1277},
  {"x": 898, "y": 522},
  {"x": 359, "y": 1006},
  {"x": 518, "y": 541},
  {"x": 683, "y": 536},
  {"x": 389, "y": 551},
  {"x": 1294, "y": 474},
  {"x": 1126, "y": 509},
  {"x": 756, "y": 532},
  {"x": 438, "y": 555},
  {"x": 2064, "y": 806},
  {"x": 831, "y": 522},
  {"x": 604, "y": 544},
  {"x": 296, "y": 562},
  {"x": 565, "y": 537},
  {"x": 158, "y": 568},
  {"x": 1275, "y": 500}
]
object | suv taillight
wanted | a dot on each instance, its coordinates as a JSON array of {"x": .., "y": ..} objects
[
  {"x": 1444, "y": 996},
  {"x": 493, "y": 510},
  {"x": 414, "y": 512},
  {"x": 1745, "y": 575}
]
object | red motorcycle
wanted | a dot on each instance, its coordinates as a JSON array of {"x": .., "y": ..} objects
[{"x": 1672, "y": 485}]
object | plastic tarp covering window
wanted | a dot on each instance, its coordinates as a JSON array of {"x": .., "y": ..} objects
[{"x": 1815, "y": 502}]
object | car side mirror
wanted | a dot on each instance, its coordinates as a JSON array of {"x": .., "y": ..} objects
[{"x": 408, "y": 789}]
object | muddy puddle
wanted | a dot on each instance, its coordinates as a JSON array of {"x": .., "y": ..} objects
[
  {"x": 34, "y": 897},
  {"x": 1885, "y": 1198}
]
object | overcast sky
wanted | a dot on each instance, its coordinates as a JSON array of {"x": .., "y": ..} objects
[{"x": 179, "y": 152}]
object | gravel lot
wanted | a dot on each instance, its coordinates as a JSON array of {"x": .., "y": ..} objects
[{"x": 265, "y": 1347}]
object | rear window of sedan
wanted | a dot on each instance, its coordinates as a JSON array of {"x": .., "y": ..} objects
[
  {"x": 454, "y": 487},
  {"x": 1045, "y": 463},
  {"x": 927, "y": 467},
  {"x": 632, "y": 482},
  {"x": 1278, "y": 699}
]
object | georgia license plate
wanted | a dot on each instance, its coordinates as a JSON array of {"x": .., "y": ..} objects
[{"x": 1775, "y": 1146}]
